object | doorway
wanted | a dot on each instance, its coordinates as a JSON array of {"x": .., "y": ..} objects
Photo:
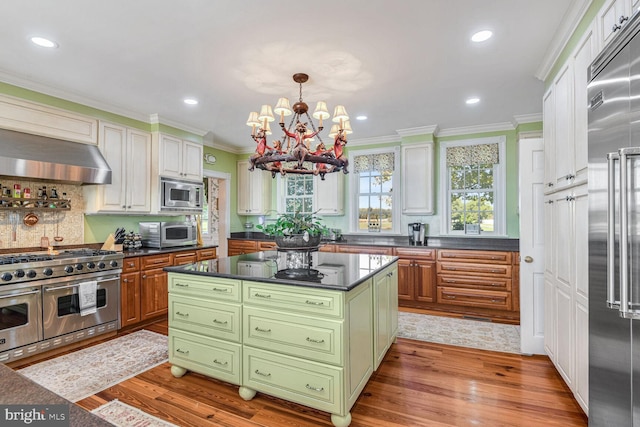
[{"x": 217, "y": 215}]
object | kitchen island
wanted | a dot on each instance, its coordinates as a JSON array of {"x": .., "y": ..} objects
[{"x": 306, "y": 327}]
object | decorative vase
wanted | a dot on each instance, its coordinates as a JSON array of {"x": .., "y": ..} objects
[{"x": 297, "y": 241}]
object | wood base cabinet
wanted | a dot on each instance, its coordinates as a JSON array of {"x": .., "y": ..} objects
[{"x": 416, "y": 276}]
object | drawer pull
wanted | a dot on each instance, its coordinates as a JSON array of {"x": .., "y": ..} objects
[
  {"x": 450, "y": 296},
  {"x": 217, "y": 362},
  {"x": 315, "y": 341},
  {"x": 220, "y": 289},
  {"x": 219, "y": 322},
  {"x": 182, "y": 351},
  {"x": 182, "y": 285},
  {"x": 131, "y": 265},
  {"x": 495, "y": 284},
  {"x": 262, "y": 373},
  {"x": 262, "y": 330},
  {"x": 451, "y": 281},
  {"x": 182, "y": 314},
  {"x": 314, "y": 388},
  {"x": 496, "y": 271},
  {"x": 314, "y": 302},
  {"x": 262, "y": 295}
]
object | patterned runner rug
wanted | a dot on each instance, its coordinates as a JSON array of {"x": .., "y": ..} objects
[
  {"x": 83, "y": 373},
  {"x": 460, "y": 332},
  {"x": 122, "y": 415}
]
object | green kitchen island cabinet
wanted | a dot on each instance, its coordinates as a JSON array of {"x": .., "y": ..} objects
[{"x": 310, "y": 328}]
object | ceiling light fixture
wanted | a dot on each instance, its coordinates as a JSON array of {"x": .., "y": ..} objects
[
  {"x": 296, "y": 156},
  {"x": 361, "y": 117},
  {"x": 191, "y": 101},
  {"x": 472, "y": 100},
  {"x": 481, "y": 36},
  {"x": 41, "y": 41}
]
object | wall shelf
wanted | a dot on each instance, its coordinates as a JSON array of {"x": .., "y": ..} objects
[{"x": 19, "y": 204}]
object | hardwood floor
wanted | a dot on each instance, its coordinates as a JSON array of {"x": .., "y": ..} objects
[{"x": 418, "y": 384}]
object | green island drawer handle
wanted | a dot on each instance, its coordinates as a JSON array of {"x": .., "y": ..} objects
[
  {"x": 220, "y": 322},
  {"x": 314, "y": 389},
  {"x": 217, "y": 362},
  {"x": 182, "y": 285},
  {"x": 262, "y": 295},
  {"x": 262, "y": 330},
  {"x": 262, "y": 373},
  {"x": 182, "y": 351},
  {"x": 220, "y": 289},
  {"x": 182, "y": 314},
  {"x": 314, "y": 302},
  {"x": 314, "y": 341}
]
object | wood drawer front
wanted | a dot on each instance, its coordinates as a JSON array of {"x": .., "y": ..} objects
[
  {"x": 416, "y": 253},
  {"x": 267, "y": 246},
  {"x": 455, "y": 268},
  {"x": 307, "y": 337},
  {"x": 130, "y": 265},
  {"x": 212, "y": 318},
  {"x": 292, "y": 298},
  {"x": 239, "y": 247},
  {"x": 475, "y": 298},
  {"x": 156, "y": 261},
  {"x": 313, "y": 384},
  {"x": 209, "y": 356},
  {"x": 204, "y": 254},
  {"x": 490, "y": 257},
  {"x": 376, "y": 250},
  {"x": 181, "y": 258},
  {"x": 498, "y": 284},
  {"x": 327, "y": 248},
  {"x": 217, "y": 288}
]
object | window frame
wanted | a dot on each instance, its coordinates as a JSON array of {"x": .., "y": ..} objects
[
  {"x": 354, "y": 186},
  {"x": 282, "y": 191},
  {"x": 499, "y": 187}
]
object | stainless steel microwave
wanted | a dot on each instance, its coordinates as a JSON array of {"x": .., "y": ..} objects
[
  {"x": 181, "y": 196},
  {"x": 158, "y": 234}
]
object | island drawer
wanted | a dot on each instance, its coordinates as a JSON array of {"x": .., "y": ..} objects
[
  {"x": 212, "y": 318},
  {"x": 456, "y": 268},
  {"x": 475, "y": 298},
  {"x": 302, "y": 336},
  {"x": 489, "y": 257},
  {"x": 294, "y": 298},
  {"x": 208, "y": 356},
  {"x": 290, "y": 378},
  {"x": 494, "y": 283},
  {"x": 207, "y": 287}
]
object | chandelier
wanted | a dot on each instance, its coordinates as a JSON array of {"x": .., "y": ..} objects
[{"x": 293, "y": 154}]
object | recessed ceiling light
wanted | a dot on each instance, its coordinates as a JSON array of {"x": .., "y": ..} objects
[
  {"x": 41, "y": 41},
  {"x": 481, "y": 36},
  {"x": 361, "y": 117},
  {"x": 190, "y": 101},
  {"x": 472, "y": 100}
]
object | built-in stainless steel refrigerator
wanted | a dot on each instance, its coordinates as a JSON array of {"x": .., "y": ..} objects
[{"x": 614, "y": 232}]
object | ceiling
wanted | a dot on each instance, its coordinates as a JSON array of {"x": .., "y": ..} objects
[{"x": 404, "y": 64}]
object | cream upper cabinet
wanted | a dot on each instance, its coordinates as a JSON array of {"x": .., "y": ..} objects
[
  {"x": 563, "y": 128},
  {"x": 613, "y": 15},
  {"x": 328, "y": 195},
  {"x": 417, "y": 179},
  {"x": 128, "y": 153},
  {"x": 254, "y": 190},
  {"x": 548, "y": 123},
  {"x": 180, "y": 159}
]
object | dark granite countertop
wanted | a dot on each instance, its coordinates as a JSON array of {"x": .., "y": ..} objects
[
  {"x": 334, "y": 271},
  {"x": 19, "y": 390},
  {"x": 436, "y": 242},
  {"x": 156, "y": 251}
]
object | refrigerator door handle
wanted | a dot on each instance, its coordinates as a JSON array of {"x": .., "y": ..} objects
[
  {"x": 611, "y": 232},
  {"x": 625, "y": 310}
]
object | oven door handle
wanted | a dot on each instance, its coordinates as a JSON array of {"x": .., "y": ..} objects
[
  {"x": 37, "y": 291},
  {"x": 57, "y": 288}
]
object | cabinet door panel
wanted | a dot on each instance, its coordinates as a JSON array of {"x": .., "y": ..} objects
[
  {"x": 425, "y": 280},
  {"x": 138, "y": 170},
  {"x": 405, "y": 279},
  {"x": 129, "y": 299},
  {"x": 113, "y": 145},
  {"x": 155, "y": 293}
]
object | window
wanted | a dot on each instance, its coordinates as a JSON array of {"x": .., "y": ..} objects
[
  {"x": 373, "y": 176},
  {"x": 298, "y": 193},
  {"x": 473, "y": 188}
]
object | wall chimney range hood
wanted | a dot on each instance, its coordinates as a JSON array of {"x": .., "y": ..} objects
[{"x": 43, "y": 158}]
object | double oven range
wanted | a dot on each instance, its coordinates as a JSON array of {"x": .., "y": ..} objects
[{"x": 40, "y": 307}]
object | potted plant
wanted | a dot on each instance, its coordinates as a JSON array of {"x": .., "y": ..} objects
[{"x": 295, "y": 230}]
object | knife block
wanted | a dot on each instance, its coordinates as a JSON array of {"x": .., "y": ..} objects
[{"x": 110, "y": 244}]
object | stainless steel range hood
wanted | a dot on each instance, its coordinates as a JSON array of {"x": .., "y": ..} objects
[{"x": 38, "y": 157}]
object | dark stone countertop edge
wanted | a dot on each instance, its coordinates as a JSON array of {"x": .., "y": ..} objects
[
  {"x": 433, "y": 242},
  {"x": 157, "y": 251},
  {"x": 345, "y": 288},
  {"x": 26, "y": 392}
]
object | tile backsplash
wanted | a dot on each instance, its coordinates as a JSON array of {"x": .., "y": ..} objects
[{"x": 51, "y": 222}]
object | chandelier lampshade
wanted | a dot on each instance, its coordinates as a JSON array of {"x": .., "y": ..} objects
[{"x": 293, "y": 153}]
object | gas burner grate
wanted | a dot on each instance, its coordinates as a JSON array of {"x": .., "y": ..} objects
[
  {"x": 18, "y": 259},
  {"x": 86, "y": 252}
]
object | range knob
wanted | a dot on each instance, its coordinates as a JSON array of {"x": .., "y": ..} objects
[
  {"x": 31, "y": 274},
  {"x": 79, "y": 267},
  {"x": 91, "y": 265},
  {"x": 68, "y": 269},
  {"x": 19, "y": 273},
  {"x": 114, "y": 263},
  {"x": 6, "y": 277},
  {"x": 47, "y": 271},
  {"x": 101, "y": 264}
]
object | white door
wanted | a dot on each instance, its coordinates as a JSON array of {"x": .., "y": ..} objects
[{"x": 531, "y": 166}]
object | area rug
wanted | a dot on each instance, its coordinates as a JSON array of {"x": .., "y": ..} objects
[
  {"x": 83, "y": 373},
  {"x": 459, "y": 332},
  {"x": 122, "y": 415}
]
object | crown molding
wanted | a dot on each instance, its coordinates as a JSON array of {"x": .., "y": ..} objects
[
  {"x": 526, "y": 118},
  {"x": 529, "y": 135},
  {"x": 422, "y": 130},
  {"x": 374, "y": 140},
  {"x": 156, "y": 119},
  {"x": 568, "y": 26},
  {"x": 467, "y": 130}
]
